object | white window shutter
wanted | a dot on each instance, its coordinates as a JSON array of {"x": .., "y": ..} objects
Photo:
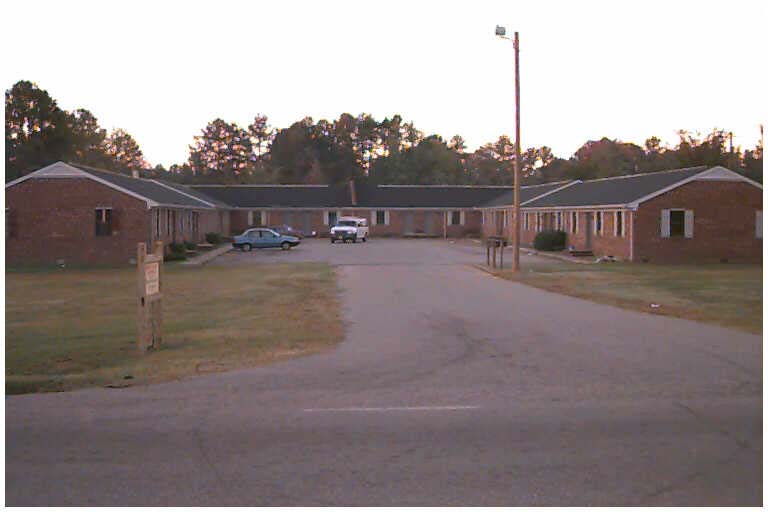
[
  {"x": 386, "y": 217},
  {"x": 250, "y": 218},
  {"x": 664, "y": 223},
  {"x": 325, "y": 218},
  {"x": 688, "y": 223},
  {"x": 615, "y": 223},
  {"x": 263, "y": 218},
  {"x": 759, "y": 224},
  {"x": 373, "y": 217},
  {"x": 576, "y": 220},
  {"x": 462, "y": 218}
]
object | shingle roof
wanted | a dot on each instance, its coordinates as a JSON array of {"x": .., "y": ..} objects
[
  {"x": 197, "y": 193},
  {"x": 146, "y": 188},
  {"x": 619, "y": 190},
  {"x": 425, "y": 196},
  {"x": 527, "y": 192},
  {"x": 278, "y": 196}
]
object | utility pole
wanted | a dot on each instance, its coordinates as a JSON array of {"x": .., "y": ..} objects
[
  {"x": 516, "y": 246},
  {"x": 502, "y": 33}
]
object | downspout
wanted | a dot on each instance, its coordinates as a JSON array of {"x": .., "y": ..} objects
[{"x": 631, "y": 235}]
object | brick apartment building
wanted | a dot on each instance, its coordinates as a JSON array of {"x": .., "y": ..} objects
[
  {"x": 392, "y": 210},
  {"x": 83, "y": 215},
  {"x": 697, "y": 214},
  {"x": 79, "y": 215}
]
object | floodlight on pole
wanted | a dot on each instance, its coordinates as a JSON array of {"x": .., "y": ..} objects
[{"x": 502, "y": 33}]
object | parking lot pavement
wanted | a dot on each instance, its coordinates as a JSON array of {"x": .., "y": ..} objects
[
  {"x": 451, "y": 388},
  {"x": 376, "y": 251}
]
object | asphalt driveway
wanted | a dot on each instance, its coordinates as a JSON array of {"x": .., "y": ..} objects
[{"x": 451, "y": 388}]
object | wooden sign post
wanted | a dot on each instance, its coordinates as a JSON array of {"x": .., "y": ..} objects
[{"x": 149, "y": 273}]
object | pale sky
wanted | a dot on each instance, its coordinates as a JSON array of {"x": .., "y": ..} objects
[{"x": 626, "y": 70}]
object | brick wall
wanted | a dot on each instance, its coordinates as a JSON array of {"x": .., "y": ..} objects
[
  {"x": 52, "y": 219},
  {"x": 601, "y": 244},
  {"x": 723, "y": 224},
  {"x": 396, "y": 227}
]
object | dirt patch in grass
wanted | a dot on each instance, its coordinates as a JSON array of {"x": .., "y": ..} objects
[
  {"x": 727, "y": 295},
  {"x": 68, "y": 329}
]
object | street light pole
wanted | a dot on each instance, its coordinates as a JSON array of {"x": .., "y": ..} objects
[
  {"x": 516, "y": 246},
  {"x": 501, "y": 32}
]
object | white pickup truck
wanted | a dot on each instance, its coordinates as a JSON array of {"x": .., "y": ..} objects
[{"x": 350, "y": 228}]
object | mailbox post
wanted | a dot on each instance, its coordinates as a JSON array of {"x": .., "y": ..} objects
[{"x": 149, "y": 274}]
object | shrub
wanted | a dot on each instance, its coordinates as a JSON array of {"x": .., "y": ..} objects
[
  {"x": 190, "y": 246},
  {"x": 176, "y": 248},
  {"x": 213, "y": 238},
  {"x": 175, "y": 256},
  {"x": 549, "y": 241}
]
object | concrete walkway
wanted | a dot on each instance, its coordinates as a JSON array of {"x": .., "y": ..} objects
[{"x": 207, "y": 256}]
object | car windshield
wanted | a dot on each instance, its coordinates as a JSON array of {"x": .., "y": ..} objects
[{"x": 347, "y": 223}]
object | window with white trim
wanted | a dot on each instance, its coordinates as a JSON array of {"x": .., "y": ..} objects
[
  {"x": 598, "y": 223},
  {"x": 104, "y": 221},
  {"x": 538, "y": 221},
  {"x": 330, "y": 217},
  {"x": 381, "y": 217},
  {"x": 574, "y": 222},
  {"x": 455, "y": 217},
  {"x": 559, "y": 221},
  {"x": 677, "y": 223},
  {"x": 618, "y": 224},
  {"x": 526, "y": 221}
]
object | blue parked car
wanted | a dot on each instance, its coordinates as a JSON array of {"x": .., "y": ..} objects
[{"x": 259, "y": 238}]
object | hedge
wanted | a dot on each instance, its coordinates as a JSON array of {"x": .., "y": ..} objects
[{"x": 550, "y": 241}]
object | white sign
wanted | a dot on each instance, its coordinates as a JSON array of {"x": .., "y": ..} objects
[
  {"x": 152, "y": 278},
  {"x": 152, "y": 287}
]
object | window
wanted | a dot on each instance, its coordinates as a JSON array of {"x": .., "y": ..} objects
[
  {"x": 255, "y": 217},
  {"x": 599, "y": 223},
  {"x": 574, "y": 222},
  {"x": 559, "y": 221},
  {"x": 157, "y": 223},
  {"x": 677, "y": 223},
  {"x": 331, "y": 218},
  {"x": 526, "y": 222},
  {"x": 104, "y": 221},
  {"x": 618, "y": 224},
  {"x": 455, "y": 218},
  {"x": 538, "y": 221},
  {"x": 381, "y": 217},
  {"x": 505, "y": 220},
  {"x": 759, "y": 224}
]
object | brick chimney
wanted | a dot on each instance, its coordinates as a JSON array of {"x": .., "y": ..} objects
[{"x": 352, "y": 192}]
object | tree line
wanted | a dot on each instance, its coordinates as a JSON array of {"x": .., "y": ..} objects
[{"x": 388, "y": 151}]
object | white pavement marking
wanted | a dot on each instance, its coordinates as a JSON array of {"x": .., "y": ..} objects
[{"x": 402, "y": 408}]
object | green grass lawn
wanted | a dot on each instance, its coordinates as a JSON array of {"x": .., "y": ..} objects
[
  {"x": 728, "y": 295},
  {"x": 74, "y": 328}
]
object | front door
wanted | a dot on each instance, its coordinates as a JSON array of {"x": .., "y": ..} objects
[
  {"x": 408, "y": 224},
  {"x": 588, "y": 231},
  {"x": 429, "y": 223}
]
